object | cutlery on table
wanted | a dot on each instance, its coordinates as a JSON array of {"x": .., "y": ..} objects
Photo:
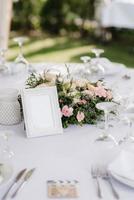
[
  {"x": 95, "y": 175},
  {"x": 18, "y": 177},
  {"x": 105, "y": 175},
  {"x": 26, "y": 178}
]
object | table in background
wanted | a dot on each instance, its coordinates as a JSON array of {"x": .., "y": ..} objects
[{"x": 116, "y": 13}]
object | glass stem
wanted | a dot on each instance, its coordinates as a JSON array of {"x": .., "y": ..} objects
[
  {"x": 106, "y": 122},
  {"x": 97, "y": 55},
  {"x": 20, "y": 46},
  {"x": 2, "y": 57},
  {"x": 130, "y": 130}
]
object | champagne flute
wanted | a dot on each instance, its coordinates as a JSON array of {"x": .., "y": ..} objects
[
  {"x": 20, "y": 62},
  {"x": 107, "y": 107}
]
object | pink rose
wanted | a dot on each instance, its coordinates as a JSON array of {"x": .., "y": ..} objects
[
  {"x": 80, "y": 116},
  {"x": 100, "y": 92},
  {"x": 109, "y": 95},
  {"x": 67, "y": 111},
  {"x": 82, "y": 101},
  {"x": 60, "y": 100}
]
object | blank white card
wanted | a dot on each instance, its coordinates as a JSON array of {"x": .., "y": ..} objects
[{"x": 41, "y": 114}]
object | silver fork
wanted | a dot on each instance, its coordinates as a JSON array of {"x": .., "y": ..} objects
[
  {"x": 95, "y": 175},
  {"x": 106, "y": 175}
]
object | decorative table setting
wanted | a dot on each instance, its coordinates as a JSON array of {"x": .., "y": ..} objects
[{"x": 66, "y": 130}]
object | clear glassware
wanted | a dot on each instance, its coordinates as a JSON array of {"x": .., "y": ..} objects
[
  {"x": 90, "y": 72},
  {"x": 85, "y": 59},
  {"x": 128, "y": 118},
  {"x": 3, "y": 65},
  {"x": 6, "y": 154},
  {"x": 97, "y": 52},
  {"x": 96, "y": 65},
  {"x": 107, "y": 107},
  {"x": 5, "y": 151},
  {"x": 21, "y": 63}
]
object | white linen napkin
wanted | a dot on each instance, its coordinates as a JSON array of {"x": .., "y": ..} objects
[{"x": 123, "y": 165}]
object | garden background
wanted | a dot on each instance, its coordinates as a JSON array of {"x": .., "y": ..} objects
[{"x": 64, "y": 30}]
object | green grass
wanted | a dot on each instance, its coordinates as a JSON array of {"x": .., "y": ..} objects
[{"x": 66, "y": 49}]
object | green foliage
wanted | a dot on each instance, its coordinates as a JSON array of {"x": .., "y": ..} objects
[
  {"x": 57, "y": 15},
  {"x": 34, "y": 80},
  {"x": 75, "y": 97},
  {"x": 26, "y": 14},
  {"x": 51, "y": 15},
  {"x": 83, "y": 8}
]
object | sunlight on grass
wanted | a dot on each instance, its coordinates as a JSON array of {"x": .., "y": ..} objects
[
  {"x": 65, "y": 49},
  {"x": 61, "y": 56}
]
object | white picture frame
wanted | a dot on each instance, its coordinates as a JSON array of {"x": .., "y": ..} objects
[{"x": 42, "y": 115}]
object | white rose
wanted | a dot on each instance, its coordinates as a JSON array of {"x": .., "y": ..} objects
[
  {"x": 81, "y": 82},
  {"x": 76, "y": 100},
  {"x": 50, "y": 77}
]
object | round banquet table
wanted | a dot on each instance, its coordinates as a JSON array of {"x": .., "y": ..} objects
[{"x": 68, "y": 156}]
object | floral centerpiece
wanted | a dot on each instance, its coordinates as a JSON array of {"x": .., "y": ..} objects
[{"x": 77, "y": 98}]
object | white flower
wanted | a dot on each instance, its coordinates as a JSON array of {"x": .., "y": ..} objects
[
  {"x": 73, "y": 93},
  {"x": 76, "y": 100},
  {"x": 81, "y": 83},
  {"x": 50, "y": 77}
]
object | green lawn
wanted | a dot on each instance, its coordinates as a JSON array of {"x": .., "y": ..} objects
[{"x": 66, "y": 49}]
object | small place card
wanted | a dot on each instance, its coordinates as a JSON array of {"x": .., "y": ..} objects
[{"x": 62, "y": 189}]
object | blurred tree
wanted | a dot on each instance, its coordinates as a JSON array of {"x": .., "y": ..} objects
[
  {"x": 84, "y": 10},
  {"x": 53, "y": 15},
  {"x": 26, "y": 14},
  {"x": 62, "y": 14}
]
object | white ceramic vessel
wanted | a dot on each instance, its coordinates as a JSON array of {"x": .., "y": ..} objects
[{"x": 9, "y": 107}]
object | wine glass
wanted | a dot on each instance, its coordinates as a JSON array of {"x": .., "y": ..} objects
[
  {"x": 20, "y": 62},
  {"x": 97, "y": 52},
  {"x": 96, "y": 64},
  {"x": 128, "y": 118},
  {"x": 91, "y": 71},
  {"x": 85, "y": 59},
  {"x": 84, "y": 73},
  {"x": 5, "y": 151},
  {"x": 3, "y": 65},
  {"x": 5, "y": 155},
  {"x": 107, "y": 107}
]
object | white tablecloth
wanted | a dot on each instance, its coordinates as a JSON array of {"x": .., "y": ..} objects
[
  {"x": 116, "y": 13},
  {"x": 68, "y": 156}
]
